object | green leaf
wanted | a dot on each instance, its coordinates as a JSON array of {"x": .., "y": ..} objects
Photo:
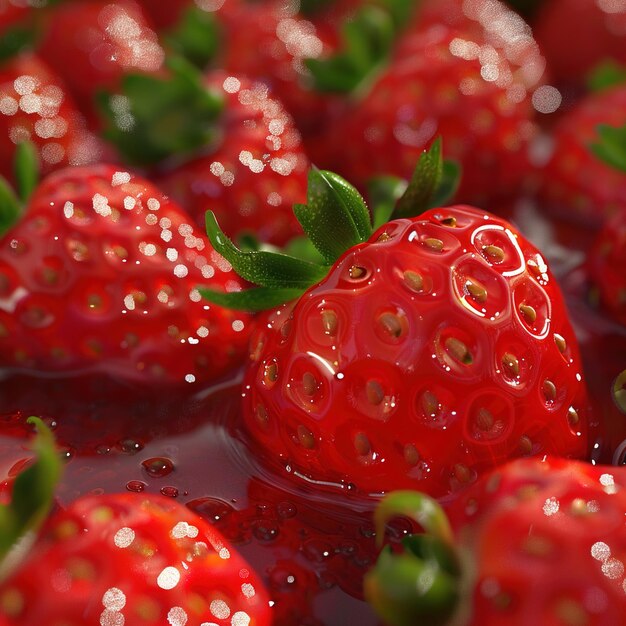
[
  {"x": 366, "y": 43},
  {"x": 383, "y": 194},
  {"x": 303, "y": 248},
  {"x": 264, "y": 268},
  {"x": 154, "y": 118},
  {"x": 26, "y": 168},
  {"x": 448, "y": 185},
  {"x": 612, "y": 146},
  {"x": 606, "y": 75},
  {"x": 33, "y": 490},
  {"x": 16, "y": 39},
  {"x": 424, "y": 183},
  {"x": 258, "y": 299},
  {"x": 10, "y": 207},
  {"x": 335, "y": 217},
  {"x": 196, "y": 37},
  {"x": 311, "y": 8}
]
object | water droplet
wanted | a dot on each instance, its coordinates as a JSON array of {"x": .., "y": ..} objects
[
  {"x": 157, "y": 467},
  {"x": 170, "y": 492},
  {"x": 135, "y": 485}
]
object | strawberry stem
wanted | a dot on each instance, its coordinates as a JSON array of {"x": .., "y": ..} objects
[{"x": 421, "y": 583}]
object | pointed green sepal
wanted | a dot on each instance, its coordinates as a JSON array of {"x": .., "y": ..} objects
[
  {"x": 156, "y": 117},
  {"x": 26, "y": 167},
  {"x": 262, "y": 267},
  {"x": 419, "y": 584},
  {"x": 606, "y": 75},
  {"x": 612, "y": 146},
  {"x": 10, "y": 207},
  {"x": 424, "y": 183},
  {"x": 335, "y": 217},
  {"x": 251, "y": 300},
  {"x": 33, "y": 491},
  {"x": 383, "y": 192},
  {"x": 367, "y": 41},
  {"x": 196, "y": 37}
]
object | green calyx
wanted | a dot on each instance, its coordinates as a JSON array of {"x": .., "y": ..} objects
[
  {"x": 611, "y": 146},
  {"x": 334, "y": 219},
  {"x": 420, "y": 584},
  {"x": 157, "y": 117},
  {"x": 26, "y": 176},
  {"x": 606, "y": 75},
  {"x": 33, "y": 492},
  {"x": 366, "y": 43}
]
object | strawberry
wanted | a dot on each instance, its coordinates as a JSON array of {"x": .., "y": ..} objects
[
  {"x": 573, "y": 180},
  {"x": 92, "y": 43},
  {"x": 215, "y": 141},
  {"x": 122, "y": 558},
  {"x": 532, "y": 542},
  {"x": 34, "y": 106},
  {"x": 100, "y": 274},
  {"x": 462, "y": 70},
  {"x": 427, "y": 352},
  {"x": 576, "y": 35}
]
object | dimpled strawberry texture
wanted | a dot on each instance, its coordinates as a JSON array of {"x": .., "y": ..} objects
[
  {"x": 547, "y": 544},
  {"x": 132, "y": 559},
  {"x": 462, "y": 70},
  {"x": 438, "y": 349},
  {"x": 575, "y": 182},
  {"x": 100, "y": 275},
  {"x": 257, "y": 171},
  {"x": 35, "y": 107}
]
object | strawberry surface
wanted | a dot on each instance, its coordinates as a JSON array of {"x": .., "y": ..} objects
[
  {"x": 35, "y": 106},
  {"x": 91, "y": 43},
  {"x": 136, "y": 559},
  {"x": 574, "y": 181},
  {"x": 533, "y": 542},
  {"x": 100, "y": 274},
  {"x": 439, "y": 348},
  {"x": 465, "y": 71},
  {"x": 254, "y": 172}
]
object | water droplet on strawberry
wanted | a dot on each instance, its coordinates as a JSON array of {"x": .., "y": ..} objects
[
  {"x": 170, "y": 492},
  {"x": 158, "y": 467},
  {"x": 136, "y": 485}
]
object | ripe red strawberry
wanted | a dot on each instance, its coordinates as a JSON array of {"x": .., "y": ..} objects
[
  {"x": 92, "y": 43},
  {"x": 534, "y": 542},
  {"x": 576, "y": 35},
  {"x": 122, "y": 558},
  {"x": 254, "y": 173},
  {"x": 35, "y": 107},
  {"x": 433, "y": 349},
  {"x": 574, "y": 181},
  {"x": 465, "y": 71},
  {"x": 100, "y": 275}
]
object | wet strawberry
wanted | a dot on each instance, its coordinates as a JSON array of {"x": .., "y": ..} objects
[
  {"x": 92, "y": 43},
  {"x": 465, "y": 71},
  {"x": 532, "y": 542},
  {"x": 35, "y": 107},
  {"x": 428, "y": 352},
  {"x": 576, "y": 35},
  {"x": 255, "y": 172},
  {"x": 100, "y": 274},
  {"x": 573, "y": 180}
]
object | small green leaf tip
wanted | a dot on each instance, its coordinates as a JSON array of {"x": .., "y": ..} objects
[
  {"x": 611, "y": 147},
  {"x": 33, "y": 490},
  {"x": 26, "y": 166},
  {"x": 10, "y": 207},
  {"x": 606, "y": 75},
  {"x": 196, "y": 37},
  {"x": 154, "y": 117},
  {"x": 335, "y": 217},
  {"x": 420, "y": 583}
]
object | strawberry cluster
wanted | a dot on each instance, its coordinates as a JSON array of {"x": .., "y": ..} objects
[{"x": 282, "y": 282}]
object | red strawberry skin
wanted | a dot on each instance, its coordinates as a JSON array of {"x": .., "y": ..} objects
[
  {"x": 257, "y": 171},
  {"x": 545, "y": 543},
  {"x": 35, "y": 106},
  {"x": 436, "y": 350},
  {"x": 574, "y": 182},
  {"x": 92, "y": 43},
  {"x": 100, "y": 275},
  {"x": 132, "y": 559},
  {"x": 577, "y": 35},
  {"x": 440, "y": 83}
]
